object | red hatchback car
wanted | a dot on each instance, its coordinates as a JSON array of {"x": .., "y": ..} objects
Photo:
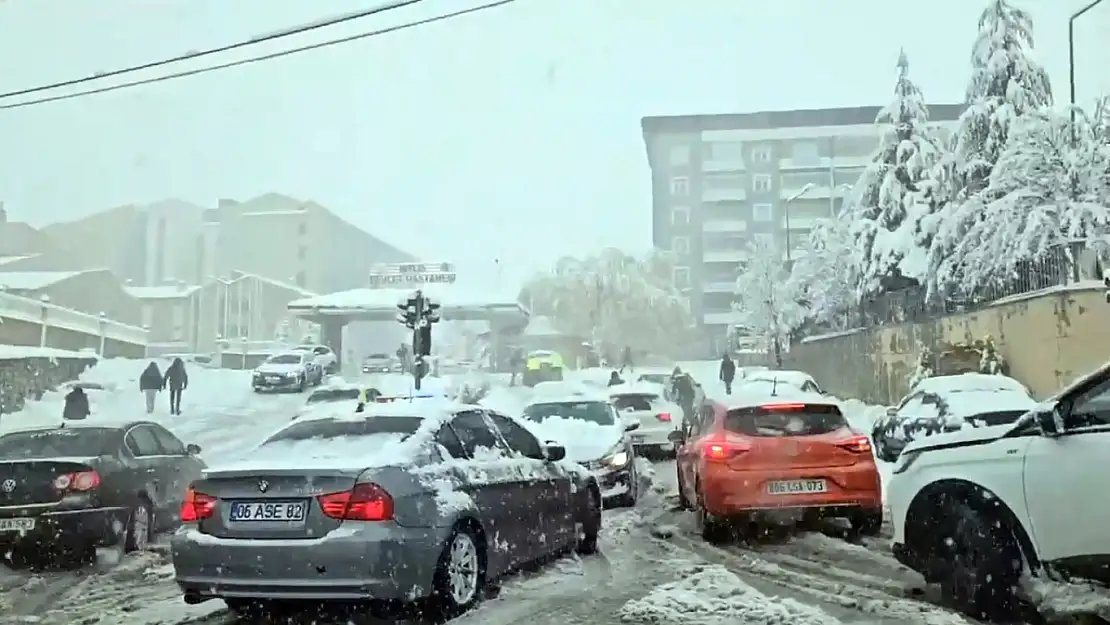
[{"x": 741, "y": 460}]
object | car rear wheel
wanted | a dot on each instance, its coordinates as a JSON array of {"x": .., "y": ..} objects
[
  {"x": 712, "y": 529},
  {"x": 591, "y": 523},
  {"x": 140, "y": 526},
  {"x": 460, "y": 575}
]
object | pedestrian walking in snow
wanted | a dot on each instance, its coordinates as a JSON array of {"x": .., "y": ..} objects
[
  {"x": 615, "y": 379},
  {"x": 77, "y": 404},
  {"x": 728, "y": 373},
  {"x": 177, "y": 380},
  {"x": 150, "y": 382},
  {"x": 516, "y": 366}
]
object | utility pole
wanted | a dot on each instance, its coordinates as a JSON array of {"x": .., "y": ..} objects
[
  {"x": 1071, "y": 53},
  {"x": 418, "y": 313}
]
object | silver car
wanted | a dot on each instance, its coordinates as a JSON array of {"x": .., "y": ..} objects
[{"x": 417, "y": 500}]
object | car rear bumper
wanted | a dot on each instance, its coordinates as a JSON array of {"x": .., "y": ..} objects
[
  {"x": 266, "y": 383},
  {"x": 365, "y": 561},
  {"x": 727, "y": 491},
  {"x": 652, "y": 438},
  {"x": 99, "y": 526},
  {"x": 614, "y": 482}
]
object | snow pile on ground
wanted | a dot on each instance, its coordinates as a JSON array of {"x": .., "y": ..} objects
[
  {"x": 1056, "y": 600},
  {"x": 861, "y": 416},
  {"x": 711, "y": 595}
]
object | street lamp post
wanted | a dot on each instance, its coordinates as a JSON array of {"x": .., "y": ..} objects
[
  {"x": 1071, "y": 52},
  {"x": 103, "y": 319},
  {"x": 786, "y": 214},
  {"x": 44, "y": 303}
]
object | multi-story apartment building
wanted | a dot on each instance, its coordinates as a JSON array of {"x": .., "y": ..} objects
[{"x": 720, "y": 181}]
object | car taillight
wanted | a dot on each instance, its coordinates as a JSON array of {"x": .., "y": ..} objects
[
  {"x": 364, "y": 502},
  {"x": 857, "y": 444},
  {"x": 664, "y": 416},
  {"x": 197, "y": 506},
  {"x": 82, "y": 481},
  {"x": 722, "y": 450}
]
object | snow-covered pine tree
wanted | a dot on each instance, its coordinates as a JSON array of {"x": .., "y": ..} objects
[
  {"x": 1049, "y": 188},
  {"x": 1005, "y": 84},
  {"x": 826, "y": 277},
  {"x": 766, "y": 300},
  {"x": 887, "y": 209}
]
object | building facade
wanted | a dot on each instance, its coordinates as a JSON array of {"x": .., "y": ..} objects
[{"x": 721, "y": 181}]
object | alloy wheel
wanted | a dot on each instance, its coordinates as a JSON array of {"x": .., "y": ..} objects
[{"x": 462, "y": 569}]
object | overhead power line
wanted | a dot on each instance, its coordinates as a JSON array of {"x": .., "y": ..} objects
[
  {"x": 260, "y": 58},
  {"x": 287, "y": 32}
]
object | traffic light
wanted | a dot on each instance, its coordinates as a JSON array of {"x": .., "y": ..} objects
[
  {"x": 418, "y": 312},
  {"x": 425, "y": 342},
  {"x": 407, "y": 312},
  {"x": 431, "y": 310}
]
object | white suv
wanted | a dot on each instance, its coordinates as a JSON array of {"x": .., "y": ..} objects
[
  {"x": 974, "y": 509},
  {"x": 323, "y": 356}
]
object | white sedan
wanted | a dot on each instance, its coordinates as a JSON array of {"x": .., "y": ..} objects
[{"x": 645, "y": 404}]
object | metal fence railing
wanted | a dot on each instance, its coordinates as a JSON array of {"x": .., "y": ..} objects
[{"x": 41, "y": 311}]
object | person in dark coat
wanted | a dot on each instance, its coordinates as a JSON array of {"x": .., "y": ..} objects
[
  {"x": 615, "y": 379},
  {"x": 516, "y": 366},
  {"x": 150, "y": 382},
  {"x": 728, "y": 372},
  {"x": 684, "y": 391},
  {"x": 77, "y": 404},
  {"x": 177, "y": 380}
]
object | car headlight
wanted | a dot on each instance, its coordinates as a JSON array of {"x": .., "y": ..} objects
[
  {"x": 619, "y": 460},
  {"x": 905, "y": 459},
  {"x": 291, "y": 374}
]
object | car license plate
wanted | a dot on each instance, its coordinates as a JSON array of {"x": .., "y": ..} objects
[
  {"x": 17, "y": 525},
  {"x": 797, "y": 487},
  {"x": 276, "y": 511},
  {"x": 274, "y": 378}
]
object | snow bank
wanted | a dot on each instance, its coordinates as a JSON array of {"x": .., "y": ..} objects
[{"x": 712, "y": 595}]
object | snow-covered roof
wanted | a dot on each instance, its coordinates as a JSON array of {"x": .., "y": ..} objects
[
  {"x": 636, "y": 388},
  {"x": 797, "y": 378},
  {"x": 750, "y": 397},
  {"x": 34, "y": 280},
  {"x": 160, "y": 292},
  {"x": 541, "y": 326},
  {"x": 16, "y": 352},
  {"x": 450, "y": 297},
  {"x": 4, "y": 260}
]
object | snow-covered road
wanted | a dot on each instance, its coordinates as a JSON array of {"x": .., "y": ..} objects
[{"x": 653, "y": 569}]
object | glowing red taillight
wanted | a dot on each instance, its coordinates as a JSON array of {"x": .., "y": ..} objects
[
  {"x": 719, "y": 450},
  {"x": 664, "y": 416},
  {"x": 197, "y": 506},
  {"x": 857, "y": 444},
  {"x": 364, "y": 502},
  {"x": 81, "y": 481}
]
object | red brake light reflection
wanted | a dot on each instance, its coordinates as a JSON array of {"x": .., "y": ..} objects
[
  {"x": 365, "y": 502},
  {"x": 664, "y": 416},
  {"x": 722, "y": 451},
  {"x": 197, "y": 506},
  {"x": 80, "y": 482},
  {"x": 857, "y": 444},
  {"x": 780, "y": 407}
]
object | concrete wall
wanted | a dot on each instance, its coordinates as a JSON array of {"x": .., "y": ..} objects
[
  {"x": 1047, "y": 340},
  {"x": 16, "y": 332}
]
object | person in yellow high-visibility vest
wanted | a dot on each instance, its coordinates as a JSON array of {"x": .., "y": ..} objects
[{"x": 542, "y": 366}]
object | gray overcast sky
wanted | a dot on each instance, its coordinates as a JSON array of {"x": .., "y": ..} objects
[{"x": 498, "y": 131}]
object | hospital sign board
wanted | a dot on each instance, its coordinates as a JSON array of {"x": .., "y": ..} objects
[{"x": 411, "y": 274}]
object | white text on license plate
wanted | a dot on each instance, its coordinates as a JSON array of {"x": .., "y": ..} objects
[
  {"x": 281, "y": 511},
  {"x": 797, "y": 487},
  {"x": 274, "y": 378},
  {"x": 17, "y": 525}
]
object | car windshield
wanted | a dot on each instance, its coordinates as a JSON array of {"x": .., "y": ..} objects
[
  {"x": 329, "y": 429},
  {"x": 592, "y": 411},
  {"x": 785, "y": 420},
  {"x": 61, "y": 443},
  {"x": 333, "y": 394},
  {"x": 285, "y": 359},
  {"x": 634, "y": 401}
]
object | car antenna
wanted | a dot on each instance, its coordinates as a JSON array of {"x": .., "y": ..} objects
[{"x": 774, "y": 386}]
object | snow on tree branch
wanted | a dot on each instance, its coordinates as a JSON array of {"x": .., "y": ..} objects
[
  {"x": 825, "y": 278},
  {"x": 767, "y": 301}
]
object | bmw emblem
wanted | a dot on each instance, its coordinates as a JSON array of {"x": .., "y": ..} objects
[
  {"x": 263, "y": 486},
  {"x": 8, "y": 485}
]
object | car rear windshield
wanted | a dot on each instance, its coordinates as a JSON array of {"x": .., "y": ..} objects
[
  {"x": 1001, "y": 417},
  {"x": 323, "y": 429},
  {"x": 377, "y": 357},
  {"x": 61, "y": 443},
  {"x": 285, "y": 359},
  {"x": 785, "y": 420},
  {"x": 337, "y": 394},
  {"x": 593, "y": 411},
  {"x": 634, "y": 401}
]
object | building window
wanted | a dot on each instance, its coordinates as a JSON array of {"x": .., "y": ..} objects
[
  {"x": 761, "y": 183},
  {"x": 680, "y": 185},
  {"x": 761, "y": 154},
  {"x": 763, "y": 212},
  {"x": 726, "y": 151},
  {"x": 300, "y": 279},
  {"x": 680, "y": 216},
  {"x": 681, "y": 277},
  {"x": 302, "y": 228},
  {"x": 679, "y": 155},
  {"x": 302, "y": 253},
  {"x": 680, "y": 245},
  {"x": 148, "y": 315}
]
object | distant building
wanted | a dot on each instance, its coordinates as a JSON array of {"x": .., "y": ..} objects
[
  {"x": 92, "y": 291},
  {"x": 720, "y": 181}
]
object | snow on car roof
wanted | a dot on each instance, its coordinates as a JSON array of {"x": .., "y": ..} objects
[
  {"x": 750, "y": 398},
  {"x": 569, "y": 398},
  {"x": 790, "y": 377},
  {"x": 943, "y": 384},
  {"x": 636, "y": 388}
]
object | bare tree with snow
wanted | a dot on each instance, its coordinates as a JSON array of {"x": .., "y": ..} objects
[
  {"x": 1050, "y": 187},
  {"x": 826, "y": 277},
  {"x": 767, "y": 300},
  {"x": 615, "y": 299}
]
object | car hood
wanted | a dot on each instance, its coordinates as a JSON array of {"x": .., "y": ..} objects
[
  {"x": 276, "y": 368},
  {"x": 583, "y": 440},
  {"x": 965, "y": 436}
]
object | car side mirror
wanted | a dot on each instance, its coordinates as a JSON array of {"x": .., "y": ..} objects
[
  {"x": 192, "y": 449},
  {"x": 675, "y": 436},
  {"x": 554, "y": 451},
  {"x": 1050, "y": 422}
]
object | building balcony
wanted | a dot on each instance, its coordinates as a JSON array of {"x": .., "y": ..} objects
[
  {"x": 790, "y": 164},
  {"x": 723, "y": 165},
  {"x": 802, "y": 222},
  {"x": 724, "y": 225},
  {"x": 724, "y": 256},
  {"x": 724, "y": 195},
  {"x": 718, "y": 318},
  {"x": 719, "y": 286}
]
